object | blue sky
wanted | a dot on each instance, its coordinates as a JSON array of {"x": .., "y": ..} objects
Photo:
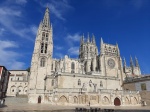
[{"x": 126, "y": 22}]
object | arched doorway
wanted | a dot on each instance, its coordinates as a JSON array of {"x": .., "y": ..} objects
[
  {"x": 75, "y": 100},
  {"x": 39, "y": 99},
  {"x": 117, "y": 102},
  {"x": 63, "y": 100}
]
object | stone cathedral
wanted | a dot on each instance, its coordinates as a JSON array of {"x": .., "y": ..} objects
[{"x": 92, "y": 78}]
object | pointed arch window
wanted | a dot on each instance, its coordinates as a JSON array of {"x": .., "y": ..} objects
[
  {"x": 43, "y": 34},
  {"x": 72, "y": 67},
  {"x": 42, "y": 47},
  {"x": 90, "y": 48},
  {"x": 52, "y": 67},
  {"x": 53, "y": 82},
  {"x": 46, "y": 48},
  {"x": 46, "y": 34},
  {"x": 42, "y": 63},
  {"x": 101, "y": 84},
  {"x": 79, "y": 82},
  {"x": 90, "y": 83}
]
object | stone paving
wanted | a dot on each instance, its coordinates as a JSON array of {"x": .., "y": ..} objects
[
  {"x": 13, "y": 106},
  {"x": 32, "y": 107}
]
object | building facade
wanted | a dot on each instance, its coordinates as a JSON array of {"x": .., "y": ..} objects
[
  {"x": 92, "y": 78},
  {"x": 4, "y": 79},
  {"x": 18, "y": 82},
  {"x": 141, "y": 84}
]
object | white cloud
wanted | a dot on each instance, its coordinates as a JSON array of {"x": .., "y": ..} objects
[
  {"x": 21, "y": 2},
  {"x": 34, "y": 29},
  {"x": 59, "y": 55},
  {"x": 5, "y": 11},
  {"x": 73, "y": 51},
  {"x": 2, "y": 30},
  {"x": 76, "y": 37},
  {"x": 58, "y": 47},
  {"x": 8, "y": 57},
  {"x": 11, "y": 18},
  {"x": 58, "y": 7}
]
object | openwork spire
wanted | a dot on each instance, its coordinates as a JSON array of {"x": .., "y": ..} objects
[{"x": 46, "y": 19}]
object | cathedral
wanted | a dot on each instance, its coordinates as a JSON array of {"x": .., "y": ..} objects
[{"x": 92, "y": 78}]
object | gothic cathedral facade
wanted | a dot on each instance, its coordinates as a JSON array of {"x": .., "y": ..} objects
[{"x": 95, "y": 78}]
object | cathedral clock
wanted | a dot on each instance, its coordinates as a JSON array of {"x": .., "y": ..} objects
[{"x": 111, "y": 63}]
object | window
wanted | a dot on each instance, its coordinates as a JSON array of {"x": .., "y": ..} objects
[
  {"x": 101, "y": 84},
  {"x": 19, "y": 91},
  {"x": 52, "y": 82},
  {"x": 18, "y": 78},
  {"x": 52, "y": 67},
  {"x": 43, "y": 38},
  {"x": 46, "y": 48},
  {"x": 143, "y": 86},
  {"x": 90, "y": 48},
  {"x": 46, "y": 34},
  {"x": 13, "y": 90},
  {"x": 90, "y": 82},
  {"x": 72, "y": 67},
  {"x": 42, "y": 63},
  {"x": 11, "y": 79},
  {"x": 46, "y": 39},
  {"x": 79, "y": 82},
  {"x": 42, "y": 46},
  {"x": 43, "y": 34}
]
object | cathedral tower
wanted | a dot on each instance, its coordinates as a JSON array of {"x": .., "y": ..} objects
[
  {"x": 42, "y": 57},
  {"x": 88, "y": 53}
]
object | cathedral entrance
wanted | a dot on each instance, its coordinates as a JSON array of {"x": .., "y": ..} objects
[
  {"x": 39, "y": 99},
  {"x": 117, "y": 102}
]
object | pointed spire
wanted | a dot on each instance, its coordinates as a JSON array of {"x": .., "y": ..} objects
[
  {"x": 118, "y": 51},
  {"x": 46, "y": 19},
  {"x": 83, "y": 37},
  {"x": 124, "y": 62},
  {"x": 88, "y": 39},
  {"x": 101, "y": 47},
  {"x": 81, "y": 40},
  {"x": 101, "y": 41},
  {"x": 93, "y": 38},
  {"x": 131, "y": 62},
  {"x": 136, "y": 62}
]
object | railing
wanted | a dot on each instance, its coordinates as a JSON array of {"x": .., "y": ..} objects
[
  {"x": 116, "y": 91},
  {"x": 67, "y": 90}
]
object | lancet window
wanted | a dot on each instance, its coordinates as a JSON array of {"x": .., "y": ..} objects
[{"x": 42, "y": 62}]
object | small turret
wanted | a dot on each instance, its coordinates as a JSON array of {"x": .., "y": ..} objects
[
  {"x": 101, "y": 46},
  {"x": 118, "y": 51},
  {"x": 131, "y": 62},
  {"x": 136, "y": 62},
  {"x": 82, "y": 40},
  {"x": 124, "y": 62},
  {"x": 93, "y": 39},
  {"x": 88, "y": 39}
]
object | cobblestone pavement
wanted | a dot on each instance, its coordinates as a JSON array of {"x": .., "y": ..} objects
[{"x": 42, "y": 107}]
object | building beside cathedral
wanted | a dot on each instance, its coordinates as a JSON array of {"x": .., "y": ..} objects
[{"x": 92, "y": 78}]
